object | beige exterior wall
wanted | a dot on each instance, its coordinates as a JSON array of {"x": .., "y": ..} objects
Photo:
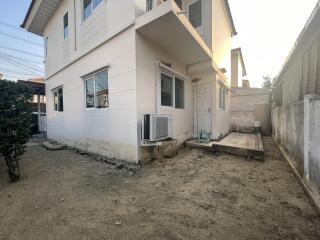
[
  {"x": 84, "y": 36},
  {"x": 110, "y": 132},
  {"x": 221, "y": 37}
]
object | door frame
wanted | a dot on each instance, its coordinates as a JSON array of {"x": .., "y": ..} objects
[{"x": 195, "y": 112}]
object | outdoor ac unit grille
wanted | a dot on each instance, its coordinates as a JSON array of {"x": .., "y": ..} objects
[
  {"x": 156, "y": 127},
  {"x": 161, "y": 129}
]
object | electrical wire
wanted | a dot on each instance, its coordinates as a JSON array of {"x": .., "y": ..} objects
[
  {"x": 20, "y": 51},
  {"x": 13, "y": 27},
  {"x": 22, "y": 59},
  {"x": 21, "y": 65},
  {"x": 3, "y": 70},
  {"x": 21, "y": 39}
]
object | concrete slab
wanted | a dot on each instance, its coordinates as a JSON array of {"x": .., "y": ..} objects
[{"x": 242, "y": 144}]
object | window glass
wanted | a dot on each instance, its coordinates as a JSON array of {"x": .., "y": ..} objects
[
  {"x": 90, "y": 93},
  {"x": 55, "y": 100},
  {"x": 96, "y": 3},
  {"x": 195, "y": 13},
  {"x": 101, "y": 90},
  {"x": 222, "y": 97},
  {"x": 179, "y": 93},
  {"x": 166, "y": 90},
  {"x": 65, "y": 26},
  {"x": 60, "y": 100},
  {"x": 87, "y": 8},
  {"x": 149, "y": 5}
]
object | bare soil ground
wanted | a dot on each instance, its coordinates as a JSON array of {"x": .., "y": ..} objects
[{"x": 194, "y": 195}]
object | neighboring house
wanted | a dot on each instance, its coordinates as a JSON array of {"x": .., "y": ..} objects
[
  {"x": 109, "y": 62},
  {"x": 238, "y": 68},
  {"x": 296, "y": 108},
  {"x": 247, "y": 104}
]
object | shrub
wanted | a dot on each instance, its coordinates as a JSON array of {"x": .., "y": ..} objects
[{"x": 15, "y": 123}]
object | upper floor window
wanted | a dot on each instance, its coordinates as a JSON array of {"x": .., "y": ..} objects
[
  {"x": 149, "y": 5},
  {"x": 58, "y": 99},
  {"x": 89, "y": 6},
  {"x": 195, "y": 13},
  {"x": 65, "y": 26},
  {"x": 97, "y": 92}
]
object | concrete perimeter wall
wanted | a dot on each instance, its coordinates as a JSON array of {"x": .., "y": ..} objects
[
  {"x": 249, "y": 105},
  {"x": 296, "y": 128}
]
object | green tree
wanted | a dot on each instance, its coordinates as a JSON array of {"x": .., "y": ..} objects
[{"x": 15, "y": 123}]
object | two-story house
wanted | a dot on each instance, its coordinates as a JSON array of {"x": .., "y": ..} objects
[{"x": 109, "y": 62}]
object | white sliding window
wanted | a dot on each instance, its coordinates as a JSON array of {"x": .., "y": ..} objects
[
  {"x": 58, "y": 99},
  {"x": 96, "y": 89},
  {"x": 172, "y": 90}
]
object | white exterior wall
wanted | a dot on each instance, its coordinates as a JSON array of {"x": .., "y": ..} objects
[
  {"x": 110, "y": 132},
  {"x": 221, "y": 119},
  {"x": 109, "y": 38},
  {"x": 147, "y": 88}
]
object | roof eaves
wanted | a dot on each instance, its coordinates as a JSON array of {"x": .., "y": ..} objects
[
  {"x": 233, "y": 28},
  {"x": 28, "y": 14}
]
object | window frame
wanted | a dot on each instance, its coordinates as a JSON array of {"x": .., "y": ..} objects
[
  {"x": 66, "y": 25},
  {"x": 55, "y": 94},
  {"x": 92, "y": 76},
  {"x": 171, "y": 73},
  {"x": 46, "y": 46},
  {"x": 93, "y": 9}
]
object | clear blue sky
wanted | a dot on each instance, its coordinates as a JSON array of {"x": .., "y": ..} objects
[{"x": 13, "y": 13}]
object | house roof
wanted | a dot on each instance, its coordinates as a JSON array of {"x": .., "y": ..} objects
[
  {"x": 38, "y": 15},
  {"x": 48, "y": 7},
  {"x": 231, "y": 22},
  {"x": 239, "y": 52}
]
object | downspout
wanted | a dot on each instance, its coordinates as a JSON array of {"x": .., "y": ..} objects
[{"x": 157, "y": 83}]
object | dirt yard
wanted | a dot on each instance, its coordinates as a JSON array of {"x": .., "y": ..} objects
[{"x": 194, "y": 195}]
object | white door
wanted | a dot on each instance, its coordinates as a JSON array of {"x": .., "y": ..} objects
[
  {"x": 195, "y": 15},
  {"x": 202, "y": 107}
]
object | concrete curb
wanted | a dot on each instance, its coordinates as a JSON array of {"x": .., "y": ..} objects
[{"x": 311, "y": 196}]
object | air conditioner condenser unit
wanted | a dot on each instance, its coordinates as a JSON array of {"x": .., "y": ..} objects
[{"x": 156, "y": 127}]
